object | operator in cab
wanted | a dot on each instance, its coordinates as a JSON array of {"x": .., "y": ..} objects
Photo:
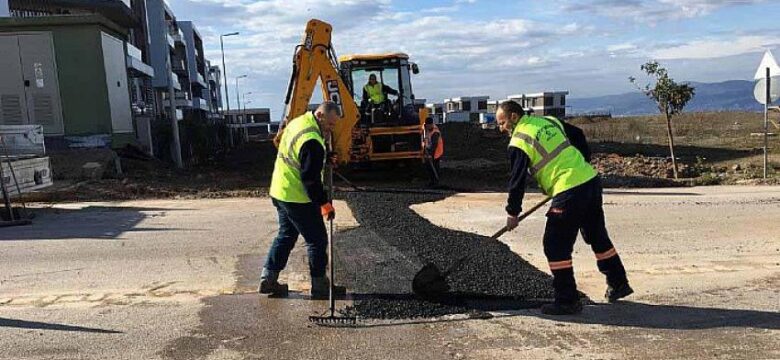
[{"x": 375, "y": 92}]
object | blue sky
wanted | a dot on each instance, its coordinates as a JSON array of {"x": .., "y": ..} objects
[{"x": 496, "y": 48}]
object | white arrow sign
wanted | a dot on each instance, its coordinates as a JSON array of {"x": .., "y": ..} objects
[{"x": 767, "y": 62}]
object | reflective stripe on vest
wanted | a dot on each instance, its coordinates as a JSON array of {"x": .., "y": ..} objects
[
  {"x": 555, "y": 164},
  {"x": 546, "y": 156},
  {"x": 286, "y": 182},
  {"x": 375, "y": 93}
]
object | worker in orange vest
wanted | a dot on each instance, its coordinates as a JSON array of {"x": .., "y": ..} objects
[{"x": 434, "y": 149}]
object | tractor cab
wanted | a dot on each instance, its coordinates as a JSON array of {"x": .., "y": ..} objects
[
  {"x": 382, "y": 88},
  {"x": 390, "y": 122}
]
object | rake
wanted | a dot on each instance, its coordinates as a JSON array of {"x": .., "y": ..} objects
[{"x": 332, "y": 320}]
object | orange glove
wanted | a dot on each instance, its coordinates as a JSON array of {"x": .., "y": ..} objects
[{"x": 328, "y": 211}]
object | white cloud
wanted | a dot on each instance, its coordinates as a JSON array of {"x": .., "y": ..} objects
[
  {"x": 717, "y": 47},
  {"x": 652, "y": 11}
]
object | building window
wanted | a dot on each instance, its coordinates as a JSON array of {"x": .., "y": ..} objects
[
  {"x": 563, "y": 100},
  {"x": 465, "y": 106},
  {"x": 450, "y": 106},
  {"x": 548, "y": 101},
  {"x": 482, "y": 105}
]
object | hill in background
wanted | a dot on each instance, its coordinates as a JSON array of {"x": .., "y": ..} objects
[{"x": 732, "y": 95}]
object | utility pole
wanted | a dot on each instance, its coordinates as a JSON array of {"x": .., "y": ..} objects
[{"x": 766, "y": 122}]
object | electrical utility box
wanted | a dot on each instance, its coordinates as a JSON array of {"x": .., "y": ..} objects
[
  {"x": 68, "y": 74},
  {"x": 29, "y": 92}
]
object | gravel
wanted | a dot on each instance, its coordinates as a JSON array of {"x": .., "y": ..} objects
[{"x": 378, "y": 260}]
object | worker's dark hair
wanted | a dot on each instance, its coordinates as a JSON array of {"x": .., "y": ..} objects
[
  {"x": 328, "y": 106},
  {"x": 511, "y": 106},
  {"x": 429, "y": 121}
]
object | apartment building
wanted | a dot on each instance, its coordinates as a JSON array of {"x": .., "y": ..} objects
[
  {"x": 215, "y": 91},
  {"x": 464, "y": 108},
  {"x": 544, "y": 103},
  {"x": 115, "y": 60}
]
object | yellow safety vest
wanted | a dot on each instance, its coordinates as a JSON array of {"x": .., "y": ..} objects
[
  {"x": 286, "y": 182},
  {"x": 555, "y": 164},
  {"x": 375, "y": 93}
]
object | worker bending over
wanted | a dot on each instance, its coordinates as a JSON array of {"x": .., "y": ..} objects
[
  {"x": 434, "y": 150},
  {"x": 375, "y": 92},
  {"x": 539, "y": 146},
  {"x": 299, "y": 196}
]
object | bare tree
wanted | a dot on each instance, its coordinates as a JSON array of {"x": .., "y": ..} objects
[{"x": 669, "y": 96}]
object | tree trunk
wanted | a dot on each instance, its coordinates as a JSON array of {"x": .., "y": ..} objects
[{"x": 671, "y": 143}]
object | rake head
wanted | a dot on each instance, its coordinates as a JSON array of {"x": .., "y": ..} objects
[{"x": 334, "y": 321}]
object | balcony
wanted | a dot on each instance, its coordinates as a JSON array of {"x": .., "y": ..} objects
[
  {"x": 175, "y": 80},
  {"x": 171, "y": 42},
  {"x": 198, "y": 80},
  {"x": 178, "y": 38},
  {"x": 199, "y": 103},
  {"x": 135, "y": 61},
  {"x": 177, "y": 65}
]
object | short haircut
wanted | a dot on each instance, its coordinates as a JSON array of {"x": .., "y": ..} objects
[
  {"x": 429, "y": 121},
  {"x": 328, "y": 107},
  {"x": 511, "y": 106},
  {"x": 372, "y": 76}
]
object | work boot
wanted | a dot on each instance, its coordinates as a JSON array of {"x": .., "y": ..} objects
[
  {"x": 270, "y": 285},
  {"x": 616, "y": 293},
  {"x": 562, "y": 308},
  {"x": 320, "y": 289}
]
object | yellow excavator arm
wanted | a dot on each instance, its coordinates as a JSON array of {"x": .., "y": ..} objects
[{"x": 315, "y": 59}]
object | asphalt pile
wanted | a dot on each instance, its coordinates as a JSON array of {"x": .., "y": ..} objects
[{"x": 379, "y": 259}]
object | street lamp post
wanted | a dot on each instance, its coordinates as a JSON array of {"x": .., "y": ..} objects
[
  {"x": 245, "y": 102},
  {"x": 238, "y": 100},
  {"x": 224, "y": 80},
  {"x": 238, "y": 106}
]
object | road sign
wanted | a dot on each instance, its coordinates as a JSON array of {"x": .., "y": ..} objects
[
  {"x": 759, "y": 91},
  {"x": 767, "y": 62}
]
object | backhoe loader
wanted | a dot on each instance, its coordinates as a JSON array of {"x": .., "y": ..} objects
[{"x": 366, "y": 131}]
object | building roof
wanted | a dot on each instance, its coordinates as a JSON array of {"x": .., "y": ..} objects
[
  {"x": 467, "y": 98},
  {"x": 371, "y": 57},
  {"x": 539, "y": 94}
]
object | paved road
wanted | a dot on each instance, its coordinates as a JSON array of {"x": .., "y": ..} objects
[{"x": 175, "y": 279}]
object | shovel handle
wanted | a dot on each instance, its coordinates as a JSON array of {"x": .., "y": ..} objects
[{"x": 522, "y": 216}]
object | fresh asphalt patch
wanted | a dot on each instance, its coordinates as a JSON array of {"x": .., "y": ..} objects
[{"x": 378, "y": 260}]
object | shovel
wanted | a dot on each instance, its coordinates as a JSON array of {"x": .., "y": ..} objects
[{"x": 431, "y": 283}]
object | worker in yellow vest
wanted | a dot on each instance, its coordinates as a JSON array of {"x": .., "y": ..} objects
[
  {"x": 539, "y": 147},
  {"x": 375, "y": 92},
  {"x": 300, "y": 199},
  {"x": 434, "y": 150}
]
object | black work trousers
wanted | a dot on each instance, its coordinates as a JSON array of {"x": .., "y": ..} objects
[
  {"x": 434, "y": 171},
  {"x": 579, "y": 209}
]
